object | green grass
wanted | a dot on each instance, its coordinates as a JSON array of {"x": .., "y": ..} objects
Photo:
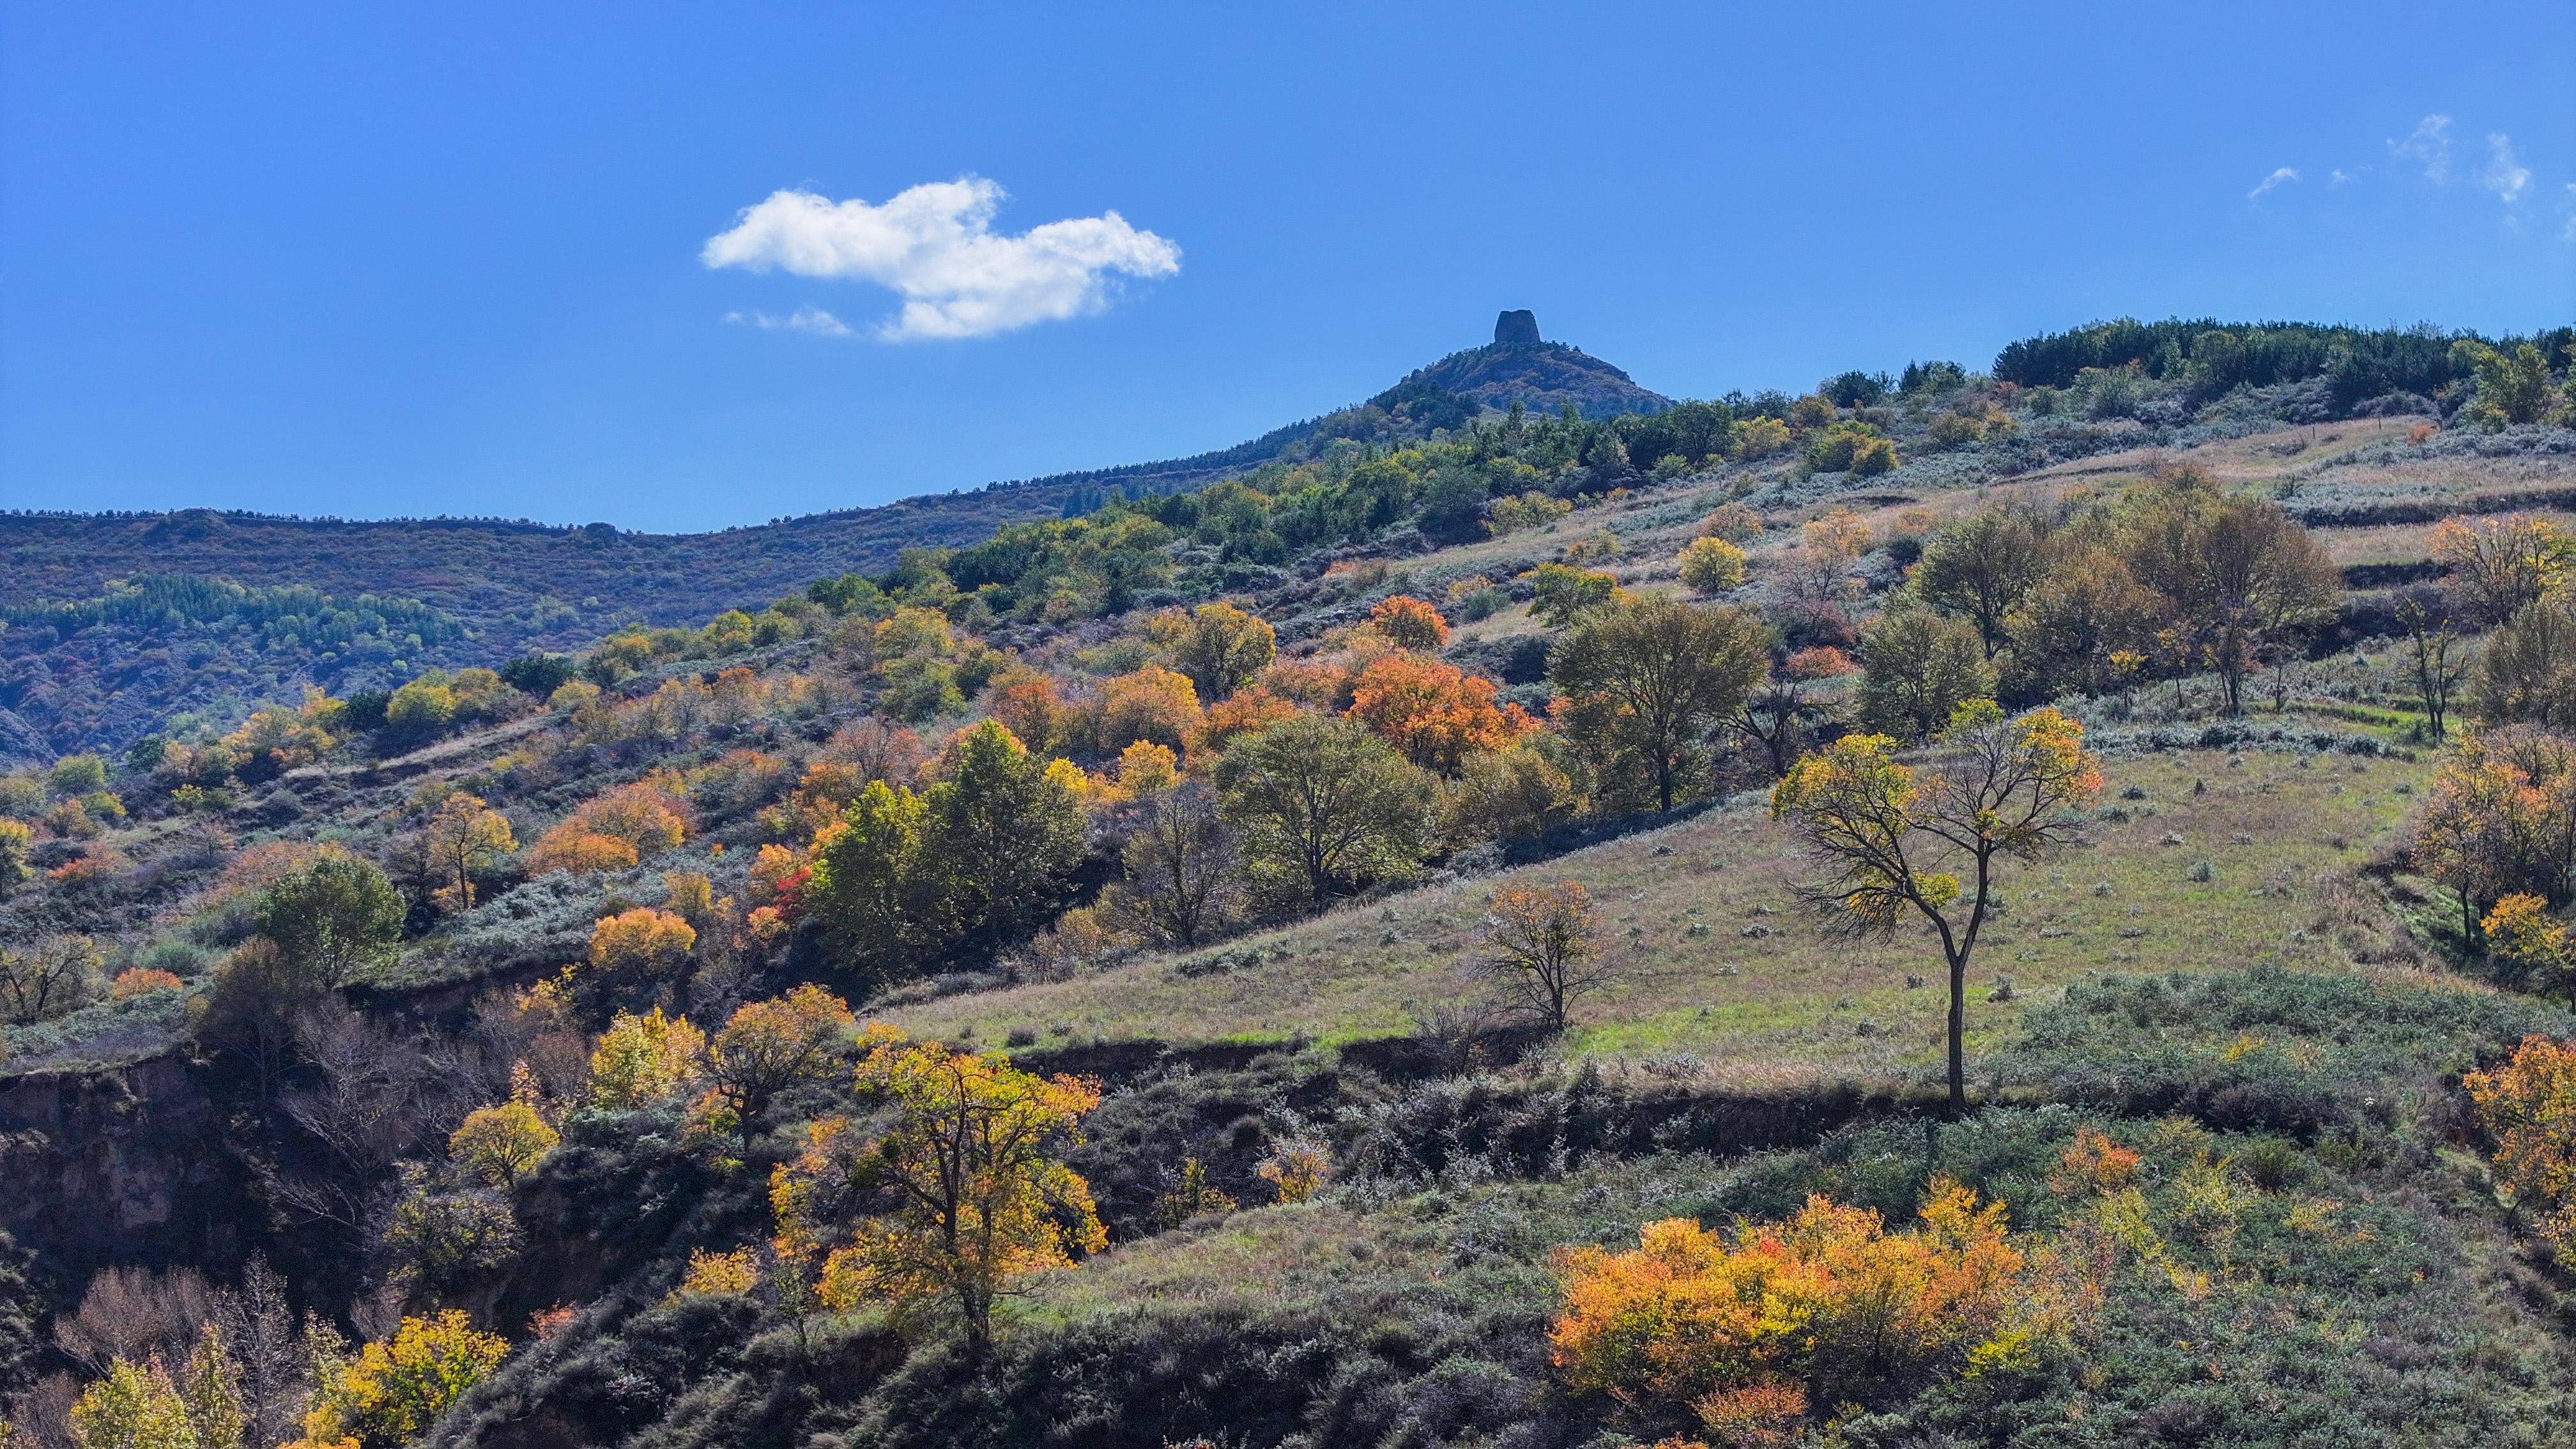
[{"x": 2278, "y": 830}]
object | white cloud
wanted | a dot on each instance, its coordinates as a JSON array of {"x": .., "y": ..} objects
[
  {"x": 2337, "y": 177},
  {"x": 934, "y": 246},
  {"x": 2275, "y": 179},
  {"x": 807, "y": 319},
  {"x": 2570, "y": 233},
  {"x": 2503, "y": 175},
  {"x": 2429, "y": 146}
]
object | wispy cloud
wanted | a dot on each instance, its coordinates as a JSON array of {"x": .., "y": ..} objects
[
  {"x": 2503, "y": 175},
  {"x": 2428, "y": 146},
  {"x": 2338, "y": 176},
  {"x": 934, "y": 246},
  {"x": 2279, "y": 177},
  {"x": 2570, "y": 233},
  {"x": 809, "y": 319}
]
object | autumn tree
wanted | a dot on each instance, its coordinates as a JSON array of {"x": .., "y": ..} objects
[
  {"x": 1668, "y": 672},
  {"x": 1322, "y": 805},
  {"x": 1543, "y": 950},
  {"x": 1917, "y": 668},
  {"x": 2528, "y": 1108},
  {"x": 464, "y": 836},
  {"x": 1780, "y": 715},
  {"x": 770, "y": 1046},
  {"x": 1410, "y": 623},
  {"x": 643, "y": 943},
  {"x": 47, "y": 978},
  {"x": 2500, "y": 820},
  {"x": 1435, "y": 712},
  {"x": 502, "y": 1143},
  {"x": 1223, "y": 649},
  {"x": 2527, "y": 672},
  {"x": 974, "y": 1162},
  {"x": 1183, "y": 870},
  {"x": 2084, "y": 626},
  {"x": 1898, "y": 838},
  {"x": 1710, "y": 566},
  {"x": 1980, "y": 568},
  {"x": 146, "y": 1406},
  {"x": 613, "y": 830},
  {"x": 397, "y": 1387},
  {"x": 2499, "y": 566},
  {"x": 1151, "y": 703},
  {"x": 2242, "y": 578},
  {"x": 1029, "y": 706},
  {"x": 643, "y": 1061},
  {"x": 2435, "y": 655}
]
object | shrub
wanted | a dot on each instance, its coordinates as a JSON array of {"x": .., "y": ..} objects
[
  {"x": 1826, "y": 1307},
  {"x": 642, "y": 942},
  {"x": 1563, "y": 594},
  {"x": 1733, "y": 522},
  {"x": 1712, "y": 566},
  {"x": 1410, "y": 623},
  {"x": 141, "y": 981}
]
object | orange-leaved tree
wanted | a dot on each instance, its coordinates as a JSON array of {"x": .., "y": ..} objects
[
  {"x": 2529, "y": 1107},
  {"x": 767, "y": 1047},
  {"x": 1546, "y": 949},
  {"x": 1745, "y": 1329},
  {"x": 1410, "y": 623},
  {"x": 1900, "y": 839},
  {"x": 1436, "y": 713},
  {"x": 974, "y": 1165},
  {"x": 2500, "y": 820}
]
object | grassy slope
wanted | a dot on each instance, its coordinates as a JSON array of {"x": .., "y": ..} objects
[{"x": 1726, "y": 965}]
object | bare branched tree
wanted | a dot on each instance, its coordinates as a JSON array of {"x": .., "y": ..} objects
[
  {"x": 1545, "y": 950},
  {"x": 134, "y": 1314},
  {"x": 1184, "y": 875}
]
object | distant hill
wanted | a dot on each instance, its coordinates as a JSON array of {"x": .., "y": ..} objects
[{"x": 84, "y": 666}]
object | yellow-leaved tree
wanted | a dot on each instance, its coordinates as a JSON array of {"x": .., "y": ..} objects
[
  {"x": 644, "y": 1060},
  {"x": 974, "y": 1165},
  {"x": 503, "y": 1143},
  {"x": 1907, "y": 842},
  {"x": 464, "y": 836},
  {"x": 397, "y": 1387},
  {"x": 767, "y": 1047}
]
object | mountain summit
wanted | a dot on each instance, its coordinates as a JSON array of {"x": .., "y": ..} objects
[{"x": 1540, "y": 376}]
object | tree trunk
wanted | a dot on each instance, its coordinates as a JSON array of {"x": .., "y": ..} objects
[{"x": 1958, "y": 1034}]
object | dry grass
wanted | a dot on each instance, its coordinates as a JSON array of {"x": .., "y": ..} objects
[{"x": 1726, "y": 966}]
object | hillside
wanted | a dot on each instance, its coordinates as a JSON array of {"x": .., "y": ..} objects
[
  {"x": 580, "y": 1055},
  {"x": 496, "y": 589}
]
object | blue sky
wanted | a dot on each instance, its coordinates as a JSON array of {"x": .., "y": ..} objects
[{"x": 381, "y": 260}]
